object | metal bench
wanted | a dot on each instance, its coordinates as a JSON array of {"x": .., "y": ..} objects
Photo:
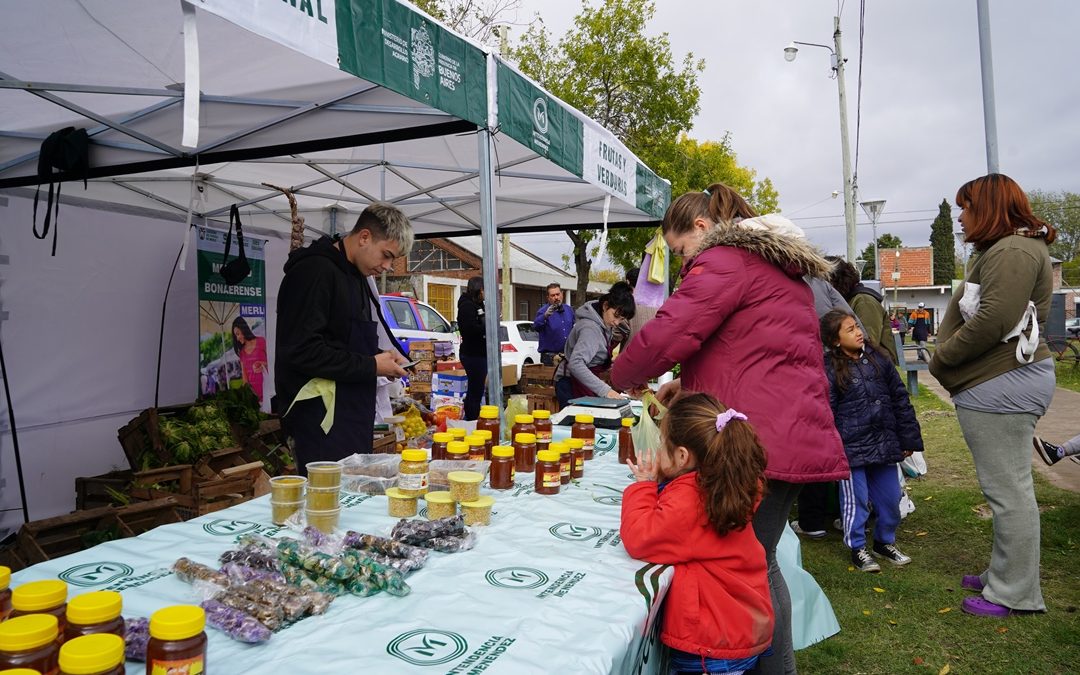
[{"x": 910, "y": 368}]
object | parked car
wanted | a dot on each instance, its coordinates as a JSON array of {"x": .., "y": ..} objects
[
  {"x": 412, "y": 320},
  {"x": 1072, "y": 326},
  {"x": 519, "y": 343}
]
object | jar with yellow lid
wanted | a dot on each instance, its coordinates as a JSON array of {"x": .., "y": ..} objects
[
  {"x": 489, "y": 441},
  {"x": 19, "y": 671},
  {"x": 585, "y": 429},
  {"x": 476, "y": 447},
  {"x": 523, "y": 424},
  {"x": 577, "y": 457},
  {"x": 465, "y": 485},
  {"x": 457, "y": 451},
  {"x": 30, "y": 642},
  {"x": 525, "y": 452},
  {"x": 438, "y": 444},
  {"x": 501, "y": 473},
  {"x": 398, "y": 504},
  {"x": 177, "y": 641},
  {"x": 564, "y": 460},
  {"x": 547, "y": 473},
  {"x": 457, "y": 433},
  {"x": 413, "y": 473},
  {"x": 101, "y": 654},
  {"x": 489, "y": 421},
  {"x": 48, "y": 596},
  {"x": 95, "y": 612},
  {"x": 478, "y": 511},
  {"x": 626, "y": 442},
  {"x": 440, "y": 504},
  {"x": 5, "y": 592},
  {"x": 542, "y": 422}
]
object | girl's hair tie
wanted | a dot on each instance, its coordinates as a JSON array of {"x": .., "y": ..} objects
[
  {"x": 730, "y": 414},
  {"x": 707, "y": 193}
]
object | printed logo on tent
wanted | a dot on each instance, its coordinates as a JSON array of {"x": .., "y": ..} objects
[
  {"x": 229, "y": 528},
  {"x": 422, "y": 55},
  {"x": 540, "y": 115},
  {"x": 96, "y": 574},
  {"x": 571, "y": 532},
  {"x": 516, "y": 577},
  {"x": 427, "y": 647}
]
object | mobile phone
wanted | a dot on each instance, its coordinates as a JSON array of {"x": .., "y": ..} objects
[{"x": 410, "y": 364}]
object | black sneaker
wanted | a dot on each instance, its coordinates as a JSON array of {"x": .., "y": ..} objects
[
  {"x": 863, "y": 561},
  {"x": 1050, "y": 453},
  {"x": 891, "y": 553}
]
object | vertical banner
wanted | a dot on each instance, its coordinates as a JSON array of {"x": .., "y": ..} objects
[{"x": 232, "y": 318}]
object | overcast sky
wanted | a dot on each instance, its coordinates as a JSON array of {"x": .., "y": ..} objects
[{"x": 921, "y": 131}]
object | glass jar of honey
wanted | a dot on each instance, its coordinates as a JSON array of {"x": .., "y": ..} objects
[
  {"x": 523, "y": 424},
  {"x": 525, "y": 452},
  {"x": 457, "y": 451},
  {"x": 501, "y": 472},
  {"x": 48, "y": 596},
  {"x": 30, "y": 642},
  {"x": 438, "y": 444},
  {"x": 585, "y": 430},
  {"x": 489, "y": 421},
  {"x": 542, "y": 422},
  {"x": 93, "y": 613},
  {"x": 577, "y": 457},
  {"x": 476, "y": 447},
  {"x": 626, "y": 442},
  {"x": 548, "y": 473},
  {"x": 177, "y": 640},
  {"x": 489, "y": 441}
]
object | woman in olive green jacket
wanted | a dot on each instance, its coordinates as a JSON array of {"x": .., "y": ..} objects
[{"x": 1001, "y": 381}]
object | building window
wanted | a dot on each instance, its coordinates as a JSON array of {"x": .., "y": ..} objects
[
  {"x": 441, "y": 297},
  {"x": 427, "y": 257}
]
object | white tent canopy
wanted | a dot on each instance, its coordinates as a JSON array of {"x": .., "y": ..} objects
[{"x": 342, "y": 101}]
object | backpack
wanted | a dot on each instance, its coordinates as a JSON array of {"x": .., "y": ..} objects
[{"x": 67, "y": 151}]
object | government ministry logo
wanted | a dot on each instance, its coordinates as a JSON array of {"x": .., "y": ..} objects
[
  {"x": 608, "y": 500},
  {"x": 516, "y": 577},
  {"x": 540, "y": 115},
  {"x": 427, "y": 647},
  {"x": 230, "y": 528},
  {"x": 571, "y": 532},
  {"x": 96, "y": 574}
]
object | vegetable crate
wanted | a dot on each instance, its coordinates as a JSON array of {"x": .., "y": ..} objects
[
  {"x": 384, "y": 444},
  {"x": 270, "y": 446},
  {"x": 51, "y": 538},
  {"x": 543, "y": 402},
  {"x": 143, "y": 433}
]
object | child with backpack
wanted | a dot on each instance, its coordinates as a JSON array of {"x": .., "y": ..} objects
[
  {"x": 691, "y": 508},
  {"x": 878, "y": 426}
]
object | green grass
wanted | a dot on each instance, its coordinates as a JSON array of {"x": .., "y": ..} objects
[
  {"x": 1068, "y": 375},
  {"x": 913, "y": 624}
]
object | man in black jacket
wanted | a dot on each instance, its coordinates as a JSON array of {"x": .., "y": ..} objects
[{"x": 332, "y": 336}]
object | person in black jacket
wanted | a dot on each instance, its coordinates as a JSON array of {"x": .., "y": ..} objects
[
  {"x": 878, "y": 426},
  {"x": 331, "y": 334},
  {"x": 473, "y": 351}
]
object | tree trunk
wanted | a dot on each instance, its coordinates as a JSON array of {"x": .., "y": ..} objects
[{"x": 582, "y": 265}]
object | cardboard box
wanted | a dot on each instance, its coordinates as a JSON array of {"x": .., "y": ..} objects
[
  {"x": 450, "y": 382},
  {"x": 509, "y": 376}
]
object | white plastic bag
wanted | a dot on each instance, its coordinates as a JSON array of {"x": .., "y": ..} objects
[{"x": 646, "y": 433}]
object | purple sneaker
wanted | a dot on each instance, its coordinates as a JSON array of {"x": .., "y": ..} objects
[
  {"x": 971, "y": 582},
  {"x": 980, "y": 606}
]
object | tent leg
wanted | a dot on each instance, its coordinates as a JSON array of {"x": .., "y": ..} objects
[{"x": 491, "y": 286}]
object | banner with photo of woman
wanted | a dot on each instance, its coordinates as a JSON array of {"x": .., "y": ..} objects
[{"x": 232, "y": 318}]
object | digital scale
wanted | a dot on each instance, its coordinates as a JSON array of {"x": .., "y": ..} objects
[{"x": 608, "y": 413}]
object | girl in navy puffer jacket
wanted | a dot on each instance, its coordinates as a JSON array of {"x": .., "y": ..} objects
[{"x": 878, "y": 426}]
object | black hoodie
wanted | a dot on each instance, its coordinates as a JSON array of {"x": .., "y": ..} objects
[{"x": 313, "y": 319}]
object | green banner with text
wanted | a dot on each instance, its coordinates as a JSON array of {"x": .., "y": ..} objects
[{"x": 531, "y": 117}]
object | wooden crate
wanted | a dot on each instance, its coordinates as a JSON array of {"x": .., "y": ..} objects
[
  {"x": 537, "y": 375},
  {"x": 543, "y": 402},
  {"x": 384, "y": 444},
  {"x": 193, "y": 494},
  {"x": 96, "y": 491},
  {"x": 270, "y": 446},
  {"x": 143, "y": 517}
]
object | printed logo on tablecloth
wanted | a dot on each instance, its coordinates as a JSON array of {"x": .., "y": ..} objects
[
  {"x": 427, "y": 647},
  {"x": 516, "y": 577},
  {"x": 608, "y": 500},
  {"x": 605, "y": 443},
  {"x": 230, "y": 528},
  {"x": 571, "y": 532},
  {"x": 96, "y": 573}
]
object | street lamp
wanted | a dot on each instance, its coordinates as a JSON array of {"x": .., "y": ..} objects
[
  {"x": 873, "y": 209},
  {"x": 790, "y": 52},
  {"x": 860, "y": 265},
  {"x": 896, "y": 281}
]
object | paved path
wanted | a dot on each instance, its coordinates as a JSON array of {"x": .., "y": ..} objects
[{"x": 1060, "y": 423}]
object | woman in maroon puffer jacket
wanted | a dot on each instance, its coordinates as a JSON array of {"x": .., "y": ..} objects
[{"x": 743, "y": 327}]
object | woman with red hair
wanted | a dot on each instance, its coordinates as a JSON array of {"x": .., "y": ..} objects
[{"x": 1001, "y": 378}]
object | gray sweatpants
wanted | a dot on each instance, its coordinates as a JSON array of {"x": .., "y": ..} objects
[
  {"x": 1000, "y": 444},
  {"x": 769, "y": 523}
]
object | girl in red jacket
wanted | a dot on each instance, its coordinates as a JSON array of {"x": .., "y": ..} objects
[{"x": 691, "y": 508}]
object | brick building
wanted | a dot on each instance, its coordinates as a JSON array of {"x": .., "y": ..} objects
[{"x": 906, "y": 275}]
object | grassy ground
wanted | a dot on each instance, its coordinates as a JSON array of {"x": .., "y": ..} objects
[
  {"x": 1068, "y": 375},
  {"x": 908, "y": 620}
]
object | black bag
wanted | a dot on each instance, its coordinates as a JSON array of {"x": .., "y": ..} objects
[
  {"x": 237, "y": 270},
  {"x": 67, "y": 150}
]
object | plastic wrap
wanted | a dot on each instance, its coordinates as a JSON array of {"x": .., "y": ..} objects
[
  {"x": 403, "y": 565},
  {"x": 386, "y": 547},
  {"x": 269, "y": 615},
  {"x": 299, "y": 554},
  {"x": 190, "y": 571},
  {"x": 373, "y": 577},
  {"x": 439, "y": 468},
  {"x": 318, "y": 539},
  {"x": 136, "y": 637},
  {"x": 416, "y": 532},
  {"x": 451, "y": 544},
  {"x": 234, "y": 623},
  {"x": 239, "y": 574},
  {"x": 309, "y": 601},
  {"x": 369, "y": 474},
  {"x": 255, "y": 557},
  {"x": 297, "y": 576}
]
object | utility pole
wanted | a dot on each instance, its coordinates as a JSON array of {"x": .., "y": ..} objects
[
  {"x": 849, "y": 187},
  {"x": 987, "y": 62},
  {"x": 503, "y": 31}
]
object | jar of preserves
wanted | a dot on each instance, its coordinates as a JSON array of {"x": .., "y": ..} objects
[
  {"x": 502, "y": 467},
  {"x": 476, "y": 447},
  {"x": 100, "y": 654},
  {"x": 30, "y": 642},
  {"x": 585, "y": 430},
  {"x": 413, "y": 473},
  {"x": 438, "y": 444},
  {"x": 542, "y": 422},
  {"x": 548, "y": 473},
  {"x": 457, "y": 433},
  {"x": 489, "y": 421},
  {"x": 626, "y": 442},
  {"x": 489, "y": 441},
  {"x": 457, "y": 451},
  {"x": 48, "y": 596},
  {"x": 523, "y": 424},
  {"x": 525, "y": 452},
  {"x": 177, "y": 641},
  {"x": 93, "y": 613},
  {"x": 577, "y": 457},
  {"x": 565, "y": 461},
  {"x": 5, "y": 592}
]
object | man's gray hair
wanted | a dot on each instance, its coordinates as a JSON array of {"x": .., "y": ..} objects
[{"x": 386, "y": 221}]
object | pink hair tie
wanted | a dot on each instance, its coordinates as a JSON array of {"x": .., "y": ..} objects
[{"x": 730, "y": 414}]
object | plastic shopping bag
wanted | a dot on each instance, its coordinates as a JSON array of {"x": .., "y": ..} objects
[{"x": 646, "y": 433}]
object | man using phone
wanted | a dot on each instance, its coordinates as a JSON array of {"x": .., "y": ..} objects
[
  {"x": 553, "y": 322},
  {"x": 332, "y": 336}
]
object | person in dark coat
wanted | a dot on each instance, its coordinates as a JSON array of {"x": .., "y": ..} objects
[
  {"x": 878, "y": 426},
  {"x": 473, "y": 351}
]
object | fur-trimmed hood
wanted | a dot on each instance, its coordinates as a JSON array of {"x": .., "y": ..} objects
[{"x": 796, "y": 257}]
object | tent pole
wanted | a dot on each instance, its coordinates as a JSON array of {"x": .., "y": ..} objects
[{"x": 488, "y": 258}]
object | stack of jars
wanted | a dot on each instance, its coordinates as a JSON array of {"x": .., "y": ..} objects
[
  {"x": 323, "y": 508},
  {"x": 286, "y": 497},
  {"x": 412, "y": 483},
  {"x": 464, "y": 491}
]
